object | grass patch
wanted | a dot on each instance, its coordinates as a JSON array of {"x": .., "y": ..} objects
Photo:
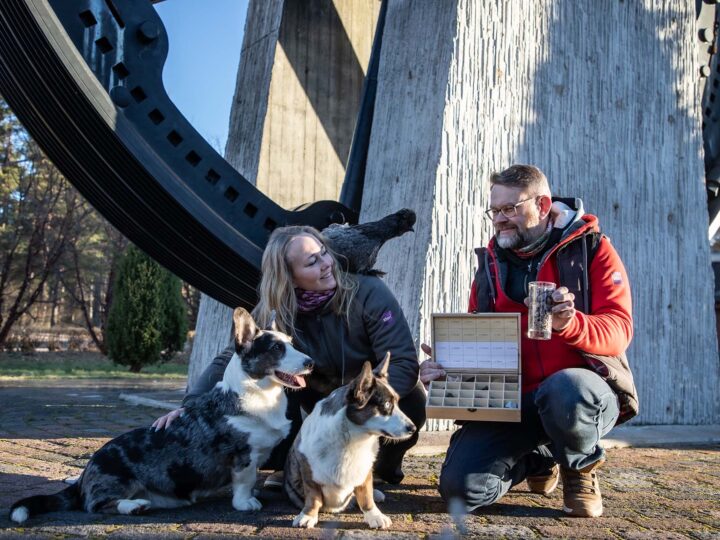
[{"x": 81, "y": 365}]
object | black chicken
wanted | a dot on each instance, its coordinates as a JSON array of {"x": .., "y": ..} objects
[{"x": 358, "y": 245}]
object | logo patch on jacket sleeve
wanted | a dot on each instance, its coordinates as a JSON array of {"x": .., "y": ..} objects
[
  {"x": 387, "y": 318},
  {"x": 617, "y": 278}
]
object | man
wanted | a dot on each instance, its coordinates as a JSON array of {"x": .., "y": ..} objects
[{"x": 577, "y": 385}]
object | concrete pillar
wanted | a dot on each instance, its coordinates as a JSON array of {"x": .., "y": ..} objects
[
  {"x": 297, "y": 95},
  {"x": 307, "y": 81},
  {"x": 603, "y": 98}
]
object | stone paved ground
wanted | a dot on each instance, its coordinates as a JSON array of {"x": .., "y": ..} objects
[{"x": 49, "y": 429}]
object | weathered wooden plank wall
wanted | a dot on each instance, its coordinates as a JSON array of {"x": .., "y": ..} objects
[{"x": 603, "y": 97}]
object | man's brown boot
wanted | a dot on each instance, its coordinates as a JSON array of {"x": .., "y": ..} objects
[
  {"x": 581, "y": 491},
  {"x": 274, "y": 481},
  {"x": 546, "y": 484}
]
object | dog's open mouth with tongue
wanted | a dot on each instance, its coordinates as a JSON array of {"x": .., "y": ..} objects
[{"x": 292, "y": 381}]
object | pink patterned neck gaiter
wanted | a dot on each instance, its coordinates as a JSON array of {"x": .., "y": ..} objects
[{"x": 311, "y": 300}]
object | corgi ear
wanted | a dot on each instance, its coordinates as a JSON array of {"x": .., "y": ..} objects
[
  {"x": 245, "y": 330},
  {"x": 382, "y": 369},
  {"x": 361, "y": 386}
]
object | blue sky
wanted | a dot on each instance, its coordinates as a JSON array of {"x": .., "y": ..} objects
[{"x": 205, "y": 40}]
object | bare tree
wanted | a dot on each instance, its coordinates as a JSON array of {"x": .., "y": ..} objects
[
  {"x": 89, "y": 272},
  {"x": 192, "y": 300},
  {"x": 37, "y": 211}
]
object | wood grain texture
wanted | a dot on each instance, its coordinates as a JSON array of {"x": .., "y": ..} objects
[{"x": 602, "y": 97}]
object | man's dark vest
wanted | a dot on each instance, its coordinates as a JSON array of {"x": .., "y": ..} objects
[{"x": 572, "y": 259}]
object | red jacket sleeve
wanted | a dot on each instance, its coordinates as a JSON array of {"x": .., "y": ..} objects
[
  {"x": 609, "y": 328},
  {"x": 472, "y": 303}
]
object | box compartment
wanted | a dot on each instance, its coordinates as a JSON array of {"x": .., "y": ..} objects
[{"x": 481, "y": 356}]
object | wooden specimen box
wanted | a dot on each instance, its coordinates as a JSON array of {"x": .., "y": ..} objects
[{"x": 481, "y": 355}]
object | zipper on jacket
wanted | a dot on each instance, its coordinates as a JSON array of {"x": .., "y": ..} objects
[
  {"x": 339, "y": 370},
  {"x": 536, "y": 345}
]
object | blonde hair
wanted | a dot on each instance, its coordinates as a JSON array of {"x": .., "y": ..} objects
[{"x": 276, "y": 289}]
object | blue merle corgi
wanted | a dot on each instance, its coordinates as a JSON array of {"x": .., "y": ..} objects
[{"x": 218, "y": 442}]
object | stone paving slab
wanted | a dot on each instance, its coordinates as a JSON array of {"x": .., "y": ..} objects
[
  {"x": 435, "y": 442},
  {"x": 48, "y": 430}
]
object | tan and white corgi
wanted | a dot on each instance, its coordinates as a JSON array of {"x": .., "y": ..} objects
[{"x": 332, "y": 457}]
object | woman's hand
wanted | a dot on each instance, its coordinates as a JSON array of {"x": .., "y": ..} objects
[
  {"x": 164, "y": 421},
  {"x": 429, "y": 370}
]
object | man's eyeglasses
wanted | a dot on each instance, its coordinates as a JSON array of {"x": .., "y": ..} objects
[{"x": 508, "y": 211}]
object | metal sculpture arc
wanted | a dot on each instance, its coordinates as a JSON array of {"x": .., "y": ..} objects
[{"x": 84, "y": 78}]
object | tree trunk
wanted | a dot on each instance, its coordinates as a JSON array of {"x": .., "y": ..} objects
[
  {"x": 603, "y": 98},
  {"x": 97, "y": 302},
  {"x": 54, "y": 301}
]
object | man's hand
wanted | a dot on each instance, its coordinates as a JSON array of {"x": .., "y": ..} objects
[
  {"x": 164, "y": 421},
  {"x": 429, "y": 370},
  {"x": 563, "y": 309}
]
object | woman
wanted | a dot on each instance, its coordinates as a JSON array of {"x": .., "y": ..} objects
[{"x": 339, "y": 320}]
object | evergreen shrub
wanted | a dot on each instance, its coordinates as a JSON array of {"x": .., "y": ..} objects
[{"x": 147, "y": 322}]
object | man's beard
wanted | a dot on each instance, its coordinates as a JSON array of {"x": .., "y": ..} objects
[
  {"x": 515, "y": 241},
  {"x": 520, "y": 238}
]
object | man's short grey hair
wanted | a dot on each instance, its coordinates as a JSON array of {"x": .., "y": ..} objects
[{"x": 525, "y": 177}]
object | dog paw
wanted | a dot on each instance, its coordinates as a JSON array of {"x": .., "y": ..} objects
[
  {"x": 376, "y": 519},
  {"x": 246, "y": 505},
  {"x": 132, "y": 507},
  {"x": 305, "y": 521}
]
